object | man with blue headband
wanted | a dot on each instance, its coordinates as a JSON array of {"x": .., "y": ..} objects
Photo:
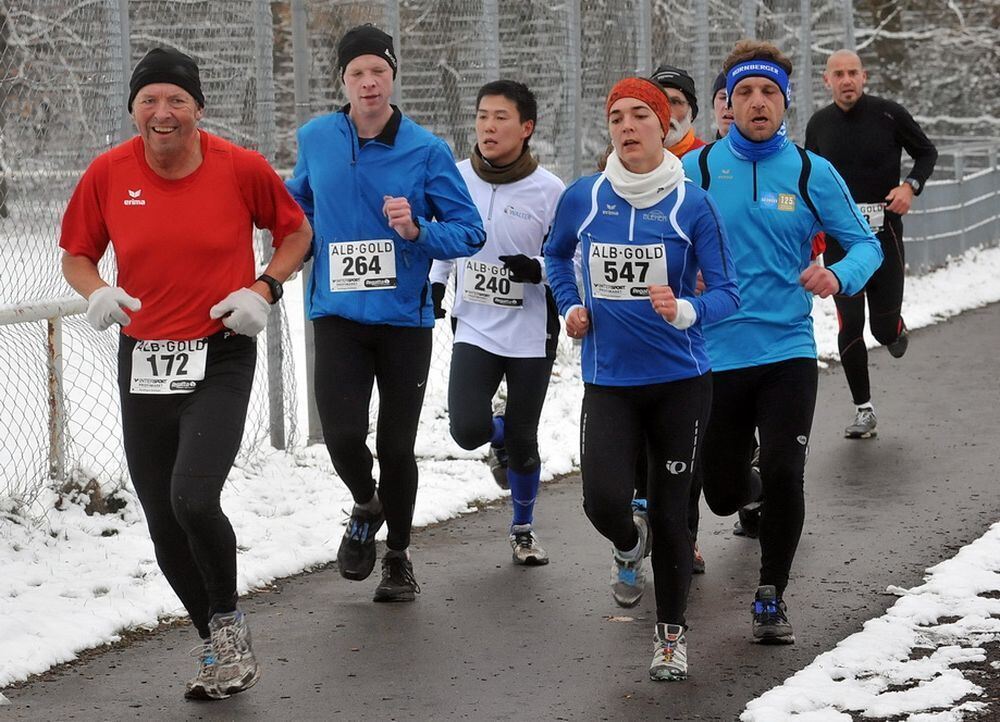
[{"x": 773, "y": 197}]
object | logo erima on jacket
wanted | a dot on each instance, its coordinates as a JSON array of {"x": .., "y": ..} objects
[{"x": 134, "y": 199}]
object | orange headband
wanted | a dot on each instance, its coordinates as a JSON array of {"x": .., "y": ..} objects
[{"x": 645, "y": 90}]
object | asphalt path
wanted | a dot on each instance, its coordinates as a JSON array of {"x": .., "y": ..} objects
[{"x": 488, "y": 640}]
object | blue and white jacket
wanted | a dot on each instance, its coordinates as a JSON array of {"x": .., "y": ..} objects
[
  {"x": 770, "y": 226},
  {"x": 341, "y": 186},
  {"x": 628, "y": 343}
]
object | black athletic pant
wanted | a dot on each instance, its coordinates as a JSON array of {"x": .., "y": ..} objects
[
  {"x": 642, "y": 482},
  {"x": 616, "y": 423},
  {"x": 350, "y": 357},
  {"x": 885, "y": 301},
  {"x": 180, "y": 448},
  {"x": 475, "y": 376},
  {"x": 778, "y": 399}
]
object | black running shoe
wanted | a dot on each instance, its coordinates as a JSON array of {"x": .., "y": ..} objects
[
  {"x": 497, "y": 459},
  {"x": 770, "y": 618},
  {"x": 356, "y": 556},
  {"x": 749, "y": 523},
  {"x": 398, "y": 583},
  {"x": 898, "y": 347}
]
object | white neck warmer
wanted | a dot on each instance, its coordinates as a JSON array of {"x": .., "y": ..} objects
[{"x": 643, "y": 190}]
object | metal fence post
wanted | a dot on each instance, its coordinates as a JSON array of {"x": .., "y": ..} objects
[
  {"x": 303, "y": 109},
  {"x": 125, "y": 42},
  {"x": 804, "y": 88},
  {"x": 703, "y": 72},
  {"x": 849, "y": 41},
  {"x": 491, "y": 31},
  {"x": 574, "y": 82},
  {"x": 748, "y": 18},
  {"x": 644, "y": 62},
  {"x": 57, "y": 406},
  {"x": 392, "y": 27}
]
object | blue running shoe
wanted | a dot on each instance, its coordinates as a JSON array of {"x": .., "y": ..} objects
[{"x": 770, "y": 618}]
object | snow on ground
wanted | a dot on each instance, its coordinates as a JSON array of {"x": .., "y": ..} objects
[{"x": 73, "y": 581}]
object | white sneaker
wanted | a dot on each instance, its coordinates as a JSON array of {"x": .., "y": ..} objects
[
  {"x": 236, "y": 667},
  {"x": 203, "y": 685},
  {"x": 669, "y": 653},
  {"x": 524, "y": 545},
  {"x": 628, "y": 576}
]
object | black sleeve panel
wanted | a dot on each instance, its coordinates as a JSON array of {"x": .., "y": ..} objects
[{"x": 916, "y": 143}]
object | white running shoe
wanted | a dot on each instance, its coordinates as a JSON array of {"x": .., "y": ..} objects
[
  {"x": 863, "y": 426},
  {"x": 670, "y": 659},
  {"x": 203, "y": 685},
  {"x": 236, "y": 667},
  {"x": 628, "y": 576},
  {"x": 524, "y": 545}
]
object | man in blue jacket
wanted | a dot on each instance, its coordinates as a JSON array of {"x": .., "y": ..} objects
[
  {"x": 385, "y": 199},
  {"x": 773, "y": 197}
]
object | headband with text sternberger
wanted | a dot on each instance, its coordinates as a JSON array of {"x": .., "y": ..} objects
[{"x": 758, "y": 69}]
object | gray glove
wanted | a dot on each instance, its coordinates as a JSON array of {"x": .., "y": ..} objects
[
  {"x": 243, "y": 311},
  {"x": 105, "y": 307}
]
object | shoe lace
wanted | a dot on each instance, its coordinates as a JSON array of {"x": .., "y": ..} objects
[
  {"x": 864, "y": 417},
  {"x": 769, "y": 611},
  {"x": 358, "y": 527},
  {"x": 400, "y": 573},
  {"x": 229, "y": 641},
  {"x": 205, "y": 654},
  {"x": 524, "y": 539}
]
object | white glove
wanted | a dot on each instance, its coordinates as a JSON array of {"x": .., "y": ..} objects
[
  {"x": 104, "y": 307},
  {"x": 243, "y": 311}
]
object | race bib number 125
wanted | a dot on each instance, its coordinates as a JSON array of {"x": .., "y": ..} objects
[{"x": 168, "y": 367}]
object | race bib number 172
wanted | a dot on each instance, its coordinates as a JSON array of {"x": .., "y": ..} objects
[{"x": 168, "y": 367}]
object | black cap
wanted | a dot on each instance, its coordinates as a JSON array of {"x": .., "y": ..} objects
[
  {"x": 166, "y": 65},
  {"x": 719, "y": 84},
  {"x": 365, "y": 40},
  {"x": 670, "y": 77}
]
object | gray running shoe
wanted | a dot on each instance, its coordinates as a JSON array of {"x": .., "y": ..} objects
[
  {"x": 356, "y": 555},
  {"x": 628, "y": 577},
  {"x": 770, "y": 618},
  {"x": 524, "y": 545},
  {"x": 898, "y": 347},
  {"x": 863, "y": 426},
  {"x": 398, "y": 583},
  {"x": 497, "y": 459},
  {"x": 203, "y": 685},
  {"x": 640, "y": 509},
  {"x": 236, "y": 667},
  {"x": 670, "y": 658}
]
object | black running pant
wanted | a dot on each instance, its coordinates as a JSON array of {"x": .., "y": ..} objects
[
  {"x": 884, "y": 291},
  {"x": 778, "y": 399},
  {"x": 475, "y": 377},
  {"x": 350, "y": 358},
  {"x": 641, "y": 483},
  {"x": 616, "y": 423},
  {"x": 179, "y": 449}
]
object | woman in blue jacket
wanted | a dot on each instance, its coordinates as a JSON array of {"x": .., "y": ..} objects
[
  {"x": 643, "y": 234},
  {"x": 385, "y": 199}
]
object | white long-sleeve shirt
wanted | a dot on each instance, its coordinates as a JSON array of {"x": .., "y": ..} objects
[{"x": 493, "y": 312}]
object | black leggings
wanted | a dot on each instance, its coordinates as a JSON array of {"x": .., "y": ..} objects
[
  {"x": 778, "y": 399},
  {"x": 616, "y": 423},
  {"x": 179, "y": 449},
  {"x": 642, "y": 465},
  {"x": 350, "y": 357},
  {"x": 885, "y": 301},
  {"x": 475, "y": 376}
]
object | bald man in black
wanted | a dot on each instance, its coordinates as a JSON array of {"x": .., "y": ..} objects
[{"x": 863, "y": 136}]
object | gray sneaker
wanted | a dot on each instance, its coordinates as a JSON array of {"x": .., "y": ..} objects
[
  {"x": 524, "y": 545},
  {"x": 203, "y": 685},
  {"x": 863, "y": 426},
  {"x": 236, "y": 668},
  {"x": 670, "y": 658},
  {"x": 628, "y": 576}
]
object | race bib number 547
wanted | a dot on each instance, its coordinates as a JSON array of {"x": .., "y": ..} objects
[
  {"x": 168, "y": 367},
  {"x": 620, "y": 272}
]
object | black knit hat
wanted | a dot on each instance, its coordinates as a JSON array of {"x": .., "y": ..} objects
[
  {"x": 719, "y": 84},
  {"x": 166, "y": 65},
  {"x": 670, "y": 77},
  {"x": 365, "y": 40}
]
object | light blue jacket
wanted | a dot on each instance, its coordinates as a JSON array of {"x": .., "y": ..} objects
[
  {"x": 770, "y": 228},
  {"x": 341, "y": 187},
  {"x": 629, "y": 344}
]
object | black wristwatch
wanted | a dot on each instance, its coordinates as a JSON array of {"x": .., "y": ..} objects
[{"x": 274, "y": 285}]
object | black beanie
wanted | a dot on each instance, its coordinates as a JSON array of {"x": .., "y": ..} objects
[
  {"x": 719, "y": 84},
  {"x": 670, "y": 77},
  {"x": 166, "y": 65},
  {"x": 365, "y": 40}
]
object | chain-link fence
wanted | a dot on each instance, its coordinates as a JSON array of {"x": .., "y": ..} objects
[{"x": 269, "y": 66}]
